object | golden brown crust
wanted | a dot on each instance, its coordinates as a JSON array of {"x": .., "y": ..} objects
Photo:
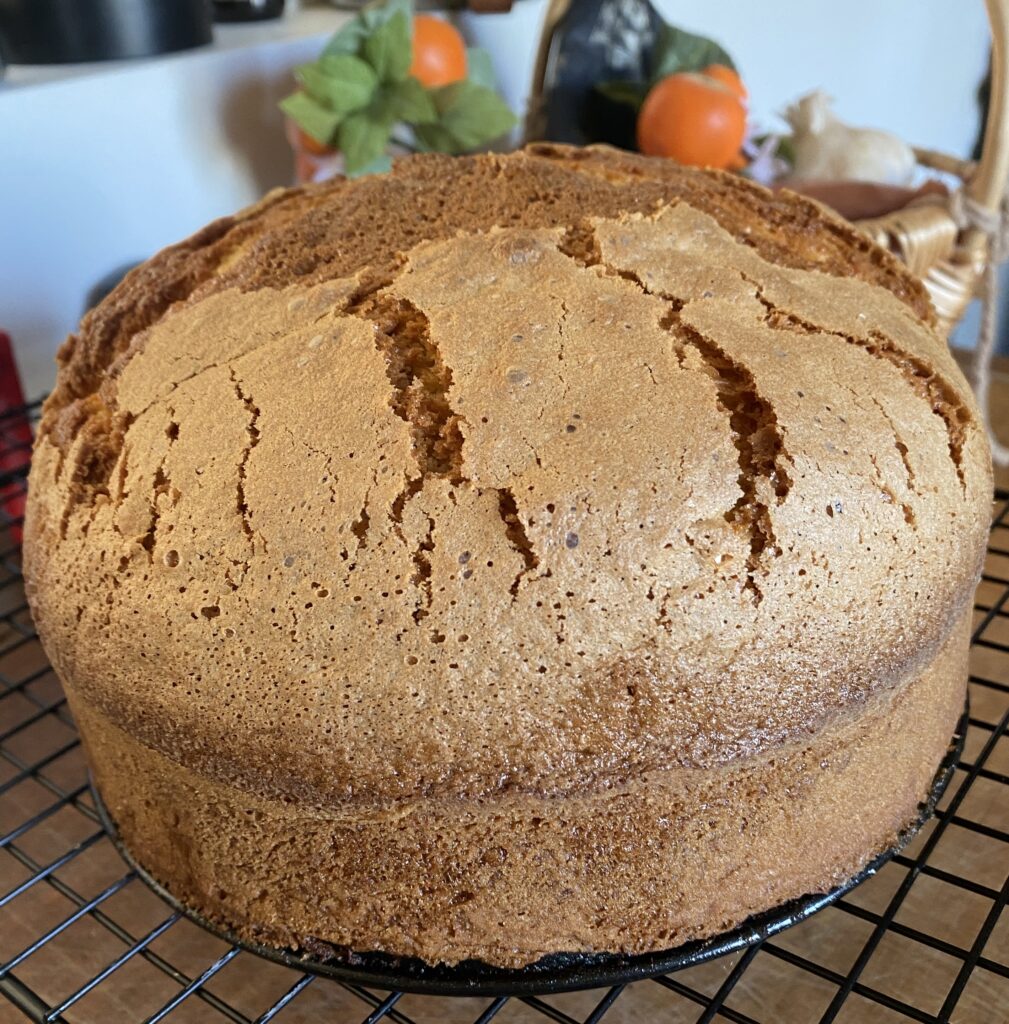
[
  {"x": 341, "y": 229},
  {"x": 782, "y": 226},
  {"x": 506, "y": 481},
  {"x": 337, "y": 229}
]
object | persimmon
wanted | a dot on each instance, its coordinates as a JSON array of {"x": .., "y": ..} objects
[
  {"x": 693, "y": 119},
  {"x": 439, "y": 53},
  {"x": 310, "y": 144},
  {"x": 729, "y": 78},
  {"x": 305, "y": 166}
]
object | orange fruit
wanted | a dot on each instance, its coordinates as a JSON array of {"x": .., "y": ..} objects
[
  {"x": 692, "y": 119},
  {"x": 729, "y": 78},
  {"x": 310, "y": 144},
  {"x": 439, "y": 53}
]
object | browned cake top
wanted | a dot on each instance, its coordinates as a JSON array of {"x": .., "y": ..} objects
[
  {"x": 533, "y": 471},
  {"x": 336, "y": 230}
]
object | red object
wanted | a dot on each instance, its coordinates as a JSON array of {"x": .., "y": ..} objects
[{"x": 15, "y": 443}]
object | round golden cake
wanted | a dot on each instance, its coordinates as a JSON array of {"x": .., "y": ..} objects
[{"x": 559, "y": 551}]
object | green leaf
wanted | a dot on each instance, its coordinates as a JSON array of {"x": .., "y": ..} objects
[
  {"x": 409, "y": 101},
  {"x": 348, "y": 39},
  {"x": 312, "y": 117},
  {"x": 341, "y": 82},
  {"x": 375, "y": 15},
  {"x": 380, "y": 165},
  {"x": 389, "y": 48},
  {"x": 362, "y": 139},
  {"x": 433, "y": 138},
  {"x": 678, "y": 50},
  {"x": 472, "y": 114},
  {"x": 480, "y": 68},
  {"x": 630, "y": 93}
]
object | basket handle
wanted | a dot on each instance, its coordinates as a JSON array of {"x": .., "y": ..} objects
[
  {"x": 988, "y": 184},
  {"x": 951, "y": 244}
]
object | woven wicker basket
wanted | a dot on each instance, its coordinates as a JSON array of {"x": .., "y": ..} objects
[{"x": 941, "y": 239}]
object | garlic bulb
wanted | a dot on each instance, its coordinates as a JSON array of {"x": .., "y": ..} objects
[{"x": 829, "y": 150}]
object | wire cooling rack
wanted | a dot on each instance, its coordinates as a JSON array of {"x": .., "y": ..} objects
[{"x": 83, "y": 940}]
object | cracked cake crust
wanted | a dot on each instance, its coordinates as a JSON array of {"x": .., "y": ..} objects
[{"x": 507, "y": 482}]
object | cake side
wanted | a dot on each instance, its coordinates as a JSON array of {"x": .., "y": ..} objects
[{"x": 673, "y": 856}]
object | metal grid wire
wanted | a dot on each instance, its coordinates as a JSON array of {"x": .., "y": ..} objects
[{"x": 83, "y": 940}]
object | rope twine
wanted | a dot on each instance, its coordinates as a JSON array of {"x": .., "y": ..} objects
[{"x": 968, "y": 213}]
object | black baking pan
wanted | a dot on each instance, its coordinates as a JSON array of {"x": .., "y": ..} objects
[{"x": 79, "y": 31}]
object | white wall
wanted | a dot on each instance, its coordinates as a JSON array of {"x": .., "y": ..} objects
[{"x": 106, "y": 168}]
